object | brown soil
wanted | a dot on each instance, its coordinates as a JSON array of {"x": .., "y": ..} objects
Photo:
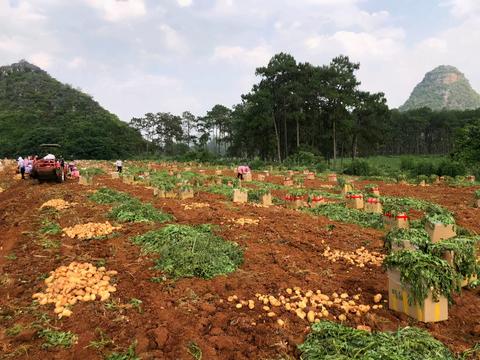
[{"x": 283, "y": 250}]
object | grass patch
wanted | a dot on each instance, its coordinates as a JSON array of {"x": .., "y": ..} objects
[
  {"x": 136, "y": 211},
  {"x": 11, "y": 256},
  {"x": 50, "y": 227},
  {"x": 102, "y": 342},
  {"x": 109, "y": 196},
  {"x": 191, "y": 251},
  {"x": 128, "y": 354},
  {"x": 91, "y": 172},
  {"x": 14, "y": 330},
  {"x": 329, "y": 340},
  {"x": 55, "y": 338},
  {"x": 338, "y": 212},
  {"x": 194, "y": 350}
]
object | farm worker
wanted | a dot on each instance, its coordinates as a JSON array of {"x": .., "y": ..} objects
[
  {"x": 119, "y": 165},
  {"x": 28, "y": 165},
  {"x": 242, "y": 170},
  {"x": 21, "y": 166}
]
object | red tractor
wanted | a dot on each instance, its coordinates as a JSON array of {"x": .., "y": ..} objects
[{"x": 50, "y": 167}]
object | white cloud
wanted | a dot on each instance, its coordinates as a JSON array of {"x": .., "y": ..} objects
[
  {"x": 463, "y": 8},
  {"x": 119, "y": 10},
  {"x": 173, "y": 40},
  {"x": 184, "y": 3},
  {"x": 41, "y": 59},
  {"x": 258, "y": 55},
  {"x": 76, "y": 62}
]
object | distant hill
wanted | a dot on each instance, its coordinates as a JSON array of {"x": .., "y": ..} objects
[
  {"x": 445, "y": 87},
  {"x": 35, "y": 108}
]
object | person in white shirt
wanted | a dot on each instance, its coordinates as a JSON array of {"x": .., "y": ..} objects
[
  {"x": 119, "y": 165},
  {"x": 21, "y": 167}
]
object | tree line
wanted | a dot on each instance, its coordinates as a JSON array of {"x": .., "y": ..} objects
[{"x": 297, "y": 107}]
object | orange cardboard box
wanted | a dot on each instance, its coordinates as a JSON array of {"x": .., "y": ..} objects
[
  {"x": 218, "y": 172},
  {"x": 347, "y": 188},
  {"x": 373, "y": 205},
  {"x": 332, "y": 177},
  {"x": 247, "y": 177},
  {"x": 170, "y": 194},
  {"x": 295, "y": 202},
  {"x": 158, "y": 192},
  {"x": 85, "y": 180},
  {"x": 310, "y": 176},
  {"x": 399, "y": 221},
  {"x": 288, "y": 182},
  {"x": 430, "y": 311},
  {"x": 261, "y": 177},
  {"x": 355, "y": 201},
  {"x": 240, "y": 196},
  {"x": 438, "y": 231},
  {"x": 182, "y": 195},
  {"x": 267, "y": 200}
]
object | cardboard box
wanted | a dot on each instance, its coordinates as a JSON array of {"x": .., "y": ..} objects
[
  {"x": 478, "y": 203},
  {"x": 296, "y": 204},
  {"x": 422, "y": 183},
  {"x": 158, "y": 192},
  {"x": 218, "y": 172},
  {"x": 267, "y": 200},
  {"x": 310, "y": 176},
  {"x": 240, "y": 196},
  {"x": 448, "y": 257},
  {"x": 288, "y": 182},
  {"x": 247, "y": 177},
  {"x": 403, "y": 245},
  {"x": 261, "y": 177},
  {"x": 347, "y": 188},
  {"x": 332, "y": 177},
  {"x": 355, "y": 202},
  {"x": 170, "y": 194},
  {"x": 467, "y": 281},
  {"x": 373, "y": 205},
  {"x": 471, "y": 178},
  {"x": 85, "y": 180},
  {"x": 430, "y": 311},
  {"x": 438, "y": 231},
  {"x": 182, "y": 195},
  {"x": 128, "y": 179},
  {"x": 400, "y": 221},
  {"x": 375, "y": 191}
]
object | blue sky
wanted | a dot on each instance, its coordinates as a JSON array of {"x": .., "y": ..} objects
[{"x": 138, "y": 56}]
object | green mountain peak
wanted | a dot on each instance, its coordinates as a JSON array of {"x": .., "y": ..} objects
[{"x": 445, "y": 87}]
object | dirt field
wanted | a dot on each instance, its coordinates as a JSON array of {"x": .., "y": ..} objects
[{"x": 284, "y": 250}]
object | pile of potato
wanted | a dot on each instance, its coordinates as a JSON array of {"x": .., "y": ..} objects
[
  {"x": 245, "y": 221},
  {"x": 1, "y": 189},
  {"x": 76, "y": 282},
  {"x": 359, "y": 257},
  {"x": 58, "y": 204},
  {"x": 89, "y": 230},
  {"x": 309, "y": 305},
  {"x": 196, "y": 206}
]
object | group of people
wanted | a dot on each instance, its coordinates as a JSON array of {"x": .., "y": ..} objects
[{"x": 25, "y": 165}]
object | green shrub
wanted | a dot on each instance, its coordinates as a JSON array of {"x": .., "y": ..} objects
[
  {"x": 451, "y": 168},
  {"x": 338, "y": 212},
  {"x": 359, "y": 168},
  {"x": 426, "y": 168},
  {"x": 407, "y": 163},
  {"x": 191, "y": 251},
  {"x": 332, "y": 341}
]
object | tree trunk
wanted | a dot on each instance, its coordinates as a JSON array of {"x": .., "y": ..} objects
[
  {"x": 277, "y": 138},
  {"x": 354, "y": 146},
  {"x": 334, "y": 141},
  {"x": 285, "y": 133}
]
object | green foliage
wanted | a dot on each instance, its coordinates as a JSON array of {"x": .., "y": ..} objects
[
  {"x": 14, "y": 330},
  {"x": 109, "y": 196},
  {"x": 36, "y": 109},
  {"x": 194, "y": 350},
  {"x": 444, "y": 218},
  {"x": 50, "y": 227},
  {"x": 129, "y": 354},
  {"x": 135, "y": 211},
  {"x": 467, "y": 145},
  {"x": 451, "y": 168},
  {"x": 432, "y": 90},
  {"x": 255, "y": 195},
  {"x": 303, "y": 158},
  {"x": 338, "y": 212},
  {"x": 421, "y": 273},
  {"x": 191, "y": 251},
  {"x": 54, "y": 338},
  {"x": 477, "y": 194},
  {"x": 359, "y": 168},
  {"x": 464, "y": 253},
  {"x": 332, "y": 341},
  {"x": 417, "y": 237},
  {"x": 89, "y": 172}
]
